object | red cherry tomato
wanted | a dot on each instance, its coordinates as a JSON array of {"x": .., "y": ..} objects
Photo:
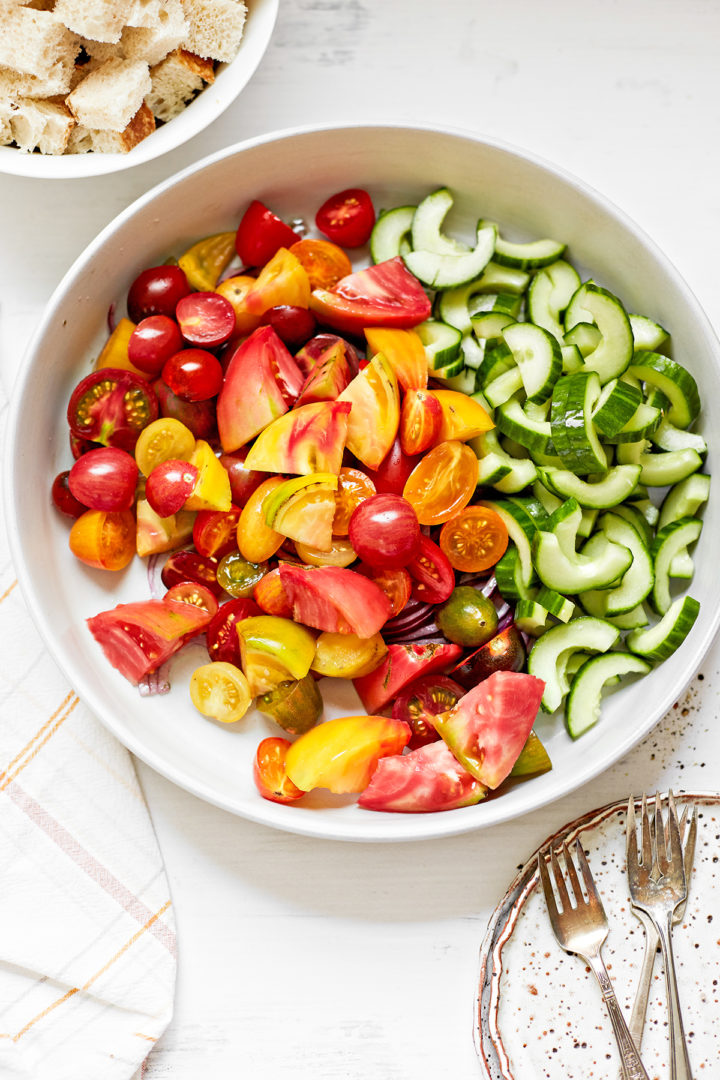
[
  {"x": 434, "y": 576},
  {"x": 191, "y": 592},
  {"x": 222, "y": 638},
  {"x": 420, "y": 421},
  {"x": 169, "y": 485},
  {"x": 269, "y": 773},
  {"x": 424, "y": 699},
  {"x": 104, "y": 479},
  {"x": 206, "y": 319},
  {"x": 63, "y": 498},
  {"x": 193, "y": 375},
  {"x": 112, "y": 406},
  {"x": 78, "y": 447},
  {"x": 153, "y": 341},
  {"x": 187, "y": 566},
  {"x": 384, "y": 531},
  {"x": 293, "y": 325},
  {"x": 198, "y": 416},
  {"x": 260, "y": 234},
  {"x": 215, "y": 532},
  {"x": 393, "y": 471},
  {"x": 104, "y": 539},
  {"x": 156, "y": 292},
  {"x": 396, "y": 584},
  {"x": 242, "y": 481},
  {"x": 347, "y": 218}
]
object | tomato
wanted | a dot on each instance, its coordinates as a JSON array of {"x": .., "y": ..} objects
[
  {"x": 325, "y": 264},
  {"x": 420, "y": 421},
  {"x": 104, "y": 539},
  {"x": 63, "y": 497},
  {"x": 468, "y": 618},
  {"x": 104, "y": 479},
  {"x": 237, "y": 576},
  {"x": 114, "y": 352},
  {"x": 137, "y": 638},
  {"x": 329, "y": 377},
  {"x": 402, "y": 665},
  {"x": 112, "y": 406},
  {"x": 490, "y": 725},
  {"x": 190, "y": 592},
  {"x": 353, "y": 488},
  {"x": 393, "y": 471},
  {"x": 206, "y": 319},
  {"x": 215, "y": 532},
  {"x": 256, "y": 540},
  {"x": 156, "y": 534},
  {"x": 274, "y": 650},
  {"x": 341, "y": 553},
  {"x": 163, "y": 440},
  {"x": 318, "y": 348},
  {"x": 295, "y": 705},
  {"x": 382, "y": 295},
  {"x": 243, "y": 481},
  {"x": 342, "y": 754},
  {"x": 235, "y": 290},
  {"x": 220, "y": 691},
  {"x": 347, "y": 656},
  {"x": 332, "y": 598},
  {"x": 396, "y": 584},
  {"x": 426, "y": 780},
  {"x": 170, "y": 485},
  {"x": 193, "y": 375},
  {"x": 307, "y": 440},
  {"x": 474, "y": 540},
  {"x": 462, "y": 417},
  {"x": 292, "y": 324},
  {"x": 303, "y": 509},
  {"x": 269, "y": 774},
  {"x": 420, "y": 702},
  {"x": 433, "y": 574},
  {"x": 281, "y": 282},
  {"x": 153, "y": 341},
  {"x": 443, "y": 483},
  {"x": 504, "y": 652},
  {"x": 384, "y": 531},
  {"x": 347, "y": 218},
  {"x": 197, "y": 416},
  {"x": 187, "y": 566},
  {"x": 260, "y": 234},
  {"x": 221, "y": 634},
  {"x": 375, "y": 413},
  {"x": 205, "y": 261},
  {"x": 405, "y": 353},
  {"x": 533, "y": 760},
  {"x": 271, "y": 596},
  {"x": 212, "y": 487},
  {"x": 156, "y": 292}
]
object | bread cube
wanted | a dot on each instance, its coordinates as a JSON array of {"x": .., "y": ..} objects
[
  {"x": 112, "y": 142},
  {"x": 33, "y": 42},
  {"x": 101, "y": 20},
  {"x": 153, "y": 44},
  {"x": 108, "y": 98},
  {"x": 145, "y": 13},
  {"x": 42, "y": 124},
  {"x": 216, "y": 27},
  {"x": 176, "y": 80}
]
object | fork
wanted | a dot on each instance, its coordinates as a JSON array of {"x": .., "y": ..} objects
[
  {"x": 658, "y": 887},
  {"x": 688, "y": 837},
  {"x": 582, "y": 929}
]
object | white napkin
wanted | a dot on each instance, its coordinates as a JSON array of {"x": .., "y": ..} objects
[{"x": 87, "y": 937}]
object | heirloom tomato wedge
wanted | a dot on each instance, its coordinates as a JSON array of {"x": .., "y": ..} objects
[
  {"x": 383, "y": 295},
  {"x": 463, "y": 418},
  {"x": 281, "y": 282},
  {"x": 342, "y": 754},
  {"x": 260, "y": 234},
  {"x": 420, "y": 421},
  {"x": 255, "y": 539},
  {"x": 375, "y": 411},
  {"x": 306, "y": 440},
  {"x": 156, "y": 534},
  {"x": 325, "y": 263},
  {"x": 205, "y": 261},
  {"x": 405, "y": 353},
  {"x": 353, "y": 488},
  {"x": 328, "y": 378},
  {"x": 347, "y": 656},
  {"x": 428, "y": 779},
  {"x": 332, "y": 598},
  {"x": 402, "y": 665}
]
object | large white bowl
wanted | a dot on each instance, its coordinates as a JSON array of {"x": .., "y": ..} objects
[
  {"x": 230, "y": 79},
  {"x": 294, "y": 172}
]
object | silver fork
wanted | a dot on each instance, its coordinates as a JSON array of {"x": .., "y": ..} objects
[
  {"x": 657, "y": 887},
  {"x": 688, "y": 836},
  {"x": 582, "y": 929}
]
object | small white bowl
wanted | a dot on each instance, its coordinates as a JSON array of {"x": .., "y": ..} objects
[
  {"x": 293, "y": 172},
  {"x": 230, "y": 80}
]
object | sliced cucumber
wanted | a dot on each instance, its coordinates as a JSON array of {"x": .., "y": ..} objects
[
  {"x": 549, "y": 294},
  {"x": 427, "y": 225},
  {"x": 538, "y": 357},
  {"x": 547, "y": 499},
  {"x": 668, "y": 467},
  {"x": 491, "y": 469},
  {"x": 510, "y": 579},
  {"x": 503, "y": 279},
  {"x": 533, "y": 507},
  {"x": 503, "y": 387},
  {"x": 445, "y": 271},
  {"x": 633, "y": 513},
  {"x": 631, "y": 620},
  {"x": 550, "y": 655},
  {"x": 473, "y": 352},
  {"x": 685, "y": 499},
  {"x": 583, "y": 704},
  {"x": 671, "y": 541},
  {"x": 489, "y": 325},
  {"x": 646, "y": 333},
  {"x": 527, "y": 256},
  {"x": 496, "y": 361},
  {"x": 641, "y": 424},
  {"x": 584, "y": 336},
  {"x": 587, "y": 521},
  {"x": 521, "y": 529},
  {"x": 390, "y": 230},
  {"x": 559, "y": 606},
  {"x": 441, "y": 341},
  {"x": 615, "y": 349},
  {"x": 616, "y": 406},
  {"x": 573, "y": 431},
  {"x": 614, "y": 487},
  {"x": 519, "y": 474},
  {"x": 572, "y": 359},
  {"x": 638, "y": 579},
  {"x": 668, "y": 437},
  {"x": 463, "y": 382},
  {"x": 512, "y": 420},
  {"x": 661, "y": 640},
  {"x": 531, "y": 617},
  {"x": 457, "y": 306},
  {"x": 561, "y": 568},
  {"x": 675, "y": 381},
  {"x": 449, "y": 371}
]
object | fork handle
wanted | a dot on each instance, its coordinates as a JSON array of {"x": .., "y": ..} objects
[
  {"x": 632, "y": 1066},
  {"x": 679, "y": 1061},
  {"x": 639, "y": 1009}
]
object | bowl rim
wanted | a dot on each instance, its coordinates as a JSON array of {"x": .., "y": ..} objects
[{"x": 429, "y": 826}]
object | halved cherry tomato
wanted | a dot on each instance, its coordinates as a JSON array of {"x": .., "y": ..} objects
[
  {"x": 112, "y": 406},
  {"x": 215, "y": 532},
  {"x": 433, "y": 574},
  {"x": 475, "y": 539},
  {"x": 420, "y": 421},
  {"x": 423, "y": 700},
  {"x": 206, "y": 319},
  {"x": 239, "y": 577},
  {"x": 221, "y": 634},
  {"x": 104, "y": 539},
  {"x": 325, "y": 264},
  {"x": 193, "y": 374},
  {"x": 256, "y": 540},
  {"x": 170, "y": 485},
  {"x": 153, "y": 341},
  {"x": 63, "y": 498},
  {"x": 105, "y": 479},
  {"x": 156, "y": 291},
  {"x": 260, "y": 234},
  {"x": 235, "y": 290},
  {"x": 220, "y": 691},
  {"x": 347, "y": 217},
  {"x": 163, "y": 440},
  {"x": 187, "y": 566},
  {"x": 342, "y": 553},
  {"x": 205, "y": 261},
  {"x": 243, "y": 481},
  {"x": 191, "y": 592},
  {"x": 269, "y": 773},
  {"x": 342, "y": 754},
  {"x": 383, "y": 295},
  {"x": 396, "y": 584},
  {"x": 443, "y": 483},
  {"x": 353, "y": 487},
  {"x": 402, "y": 665},
  {"x": 404, "y": 351},
  {"x": 347, "y": 656}
]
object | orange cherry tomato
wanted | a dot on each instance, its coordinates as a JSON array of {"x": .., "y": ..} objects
[
  {"x": 235, "y": 291},
  {"x": 269, "y": 774},
  {"x": 215, "y": 532},
  {"x": 421, "y": 419},
  {"x": 104, "y": 539},
  {"x": 256, "y": 540},
  {"x": 396, "y": 584},
  {"x": 342, "y": 754},
  {"x": 353, "y": 488},
  {"x": 475, "y": 539},
  {"x": 325, "y": 263},
  {"x": 443, "y": 483}
]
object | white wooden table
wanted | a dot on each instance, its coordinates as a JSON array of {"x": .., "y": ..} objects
[{"x": 301, "y": 959}]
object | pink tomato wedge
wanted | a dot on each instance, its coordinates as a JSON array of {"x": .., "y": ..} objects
[
  {"x": 402, "y": 665},
  {"x": 383, "y": 295},
  {"x": 335, "y": 599},
  {"x": 425, "y": 780}
]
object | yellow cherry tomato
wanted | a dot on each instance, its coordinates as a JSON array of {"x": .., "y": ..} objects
[
  {"x": 165, "y": 439},
  {"x": 347, "y": 656},
  {"x": 220, "y": 690}
]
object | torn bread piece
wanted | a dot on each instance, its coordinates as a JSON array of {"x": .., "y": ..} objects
[
  {"x": 59, "y": 80},
  {"x": 216, "y": 27},
  {"x": 100, "y": 20},
  {"x": 32, "y": 42},
  {"x": 42, "y": 125},
  {"x": 176, "y": 80},
  {"x": 108, "y": 98},
  {"x": 152, "y": 44},
  {"x": 145, "y": 13},
  {"x": 83, "y": 140},
  {"x": 7, "y": 108}
]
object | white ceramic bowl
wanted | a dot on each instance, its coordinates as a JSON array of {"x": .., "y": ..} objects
[
  {"x": 294, "y": 172},
  {"x": 230, "y": 80}
]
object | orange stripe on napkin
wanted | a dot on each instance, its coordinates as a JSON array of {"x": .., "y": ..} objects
[
  {"x": 38, "y": 733},
  {"x": 8, "y": 591},
  {"x": 8, "y": 777}
]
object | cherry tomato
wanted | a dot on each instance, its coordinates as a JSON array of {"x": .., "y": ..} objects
[
  {"x": 236, "y": 290},
  {"x": 260, "y": 234},
  {"x": 347, "y": 218},
  {"x": 112, "y": 406},
  {"x": 104, "y": 539},
  {"x": 198, "y": 416},
  {"x": 422, "y": 700},
  {"x": 433, "y": 575},
  {"x": 396, "y": 584},
  {"x": 504, "y": 652},
  {"x": 443, "y": 483},
  {"x": 325, "y": 264},
  {"x": 293, "y": 325},
  {"x": 269, "y": 774},
  {"x": 214, "y": 532},
  {"x": 193, "y": 375},
  {"x": 393, "y": 471},
  {"x": 163, "y": 440},
  {"x": 467, "y": 618},
  {"x": 221, "y": 635},
  {"x": 78, "y": 447},
  {"x": 347, "y": 656},
  {"x": 295, "y": 705},
  {"x": 420, "y": 421},
  {"x": 153, "y": 341},
  {"x": 341, "y": 553},
  {"x": 255, "y": 539},
  {"x": 156, "y": 292},
  {"x": 191, "y": 592},
  {"x": 206, "y": 319},
  {"x": 220, "y": 691},
  {"x": 104, "y": 479},
  {"x": 187, "y": 566},
  {"x": 239, "y": 577},
  {"x": 384, "y": 531},
  {"x": 170, "y": 485},
  {"x": 353, "y": 488},
  {"x": 271, "y": 596},
  {"x": 475, "y": 539},
  {"x": 242, "y": 481},
  {"x": 63, "y": 498}
]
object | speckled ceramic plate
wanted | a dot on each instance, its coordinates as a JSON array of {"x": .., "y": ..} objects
[{"x": 539, "y": 1013}]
